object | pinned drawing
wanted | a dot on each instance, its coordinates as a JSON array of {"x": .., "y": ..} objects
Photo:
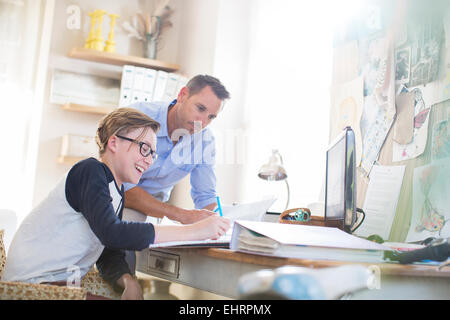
[
  {"x": 430, "y": 215},
  {"x": 402, "y": 65},
  {"x": 375, "y": 125},
  {"x": 379, "y": 103},
  {"x": 417, "y": 146},
  {"x": 347, "y": 104},
  {"x": 425, "y": 40},
  {"x": 440, "y": 147},
  {"x": 373, "y": 56}
]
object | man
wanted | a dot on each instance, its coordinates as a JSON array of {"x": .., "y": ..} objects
[{"x": 184, "y": 146}]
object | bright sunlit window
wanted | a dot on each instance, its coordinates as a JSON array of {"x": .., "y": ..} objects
[{"x": 288, "y": 98}]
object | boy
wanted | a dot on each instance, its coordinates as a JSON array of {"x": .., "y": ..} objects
[{"x": 79, "y": 223}]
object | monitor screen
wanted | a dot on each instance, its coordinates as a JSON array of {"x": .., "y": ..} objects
[
  {"x": 340, "y": 200},
  {"x": 335, "y": 181}
]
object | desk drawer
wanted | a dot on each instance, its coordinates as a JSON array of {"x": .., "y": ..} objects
[{"x": 163, "y": 263}]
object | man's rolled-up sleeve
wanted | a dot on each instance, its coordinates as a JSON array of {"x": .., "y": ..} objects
[
  {"x": 203, "y": 176},
  {"x": 203, "y": 182}
]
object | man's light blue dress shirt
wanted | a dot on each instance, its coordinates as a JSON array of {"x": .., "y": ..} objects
[{"x": 194, "y": 154}]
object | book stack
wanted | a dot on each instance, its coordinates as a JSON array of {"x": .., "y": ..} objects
[
  {"x": 146, "y": 85},
  {"x": 303, "y": 242}
]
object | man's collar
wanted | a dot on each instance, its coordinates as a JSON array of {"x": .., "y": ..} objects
[{"x": 164, "y": 130}]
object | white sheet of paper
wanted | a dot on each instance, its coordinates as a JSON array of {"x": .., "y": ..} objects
[
  {"x": 381, "y": 200},
  {"x": 302, "y": 235},
  {"x": 253, "y": 211}
]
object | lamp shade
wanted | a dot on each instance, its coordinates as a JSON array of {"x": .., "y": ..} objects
[{"x": 273, "y": 170}]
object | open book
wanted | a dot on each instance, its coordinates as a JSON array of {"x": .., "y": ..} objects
[
  {"x": 304, "y": 242},
  {"x": 223, "y": 241},
  {"x": 249, "y": 211}
]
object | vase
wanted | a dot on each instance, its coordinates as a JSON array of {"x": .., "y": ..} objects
[{"x": 150, "y": 46}]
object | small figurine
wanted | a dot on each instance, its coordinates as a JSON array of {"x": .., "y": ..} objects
[
  {"x": 90, "y": 39},
  {"x": 98, "y": 43},
  {"x": 110, "y": 43}
]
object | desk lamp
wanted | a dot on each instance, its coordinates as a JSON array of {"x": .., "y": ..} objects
[{"x": 274, "y": 171}]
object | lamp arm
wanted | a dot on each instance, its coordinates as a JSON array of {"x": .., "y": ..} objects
[
  {"x": 288, "y": 195},
  {"x": 281, "y": 158}
]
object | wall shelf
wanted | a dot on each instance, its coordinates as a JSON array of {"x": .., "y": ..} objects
[
  {"x": 119, "y": 59},
  {"x": 87, "y": 109}
]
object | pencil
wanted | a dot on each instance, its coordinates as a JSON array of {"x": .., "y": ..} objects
[{"x": 220, "y": 207}]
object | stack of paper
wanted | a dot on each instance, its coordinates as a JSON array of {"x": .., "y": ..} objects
[
  {"x": 253, "y": 211},
  {"x": 222, "y": 242},
  {"x": 305, "y": 242}
]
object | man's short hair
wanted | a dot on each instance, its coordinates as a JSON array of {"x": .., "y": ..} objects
[{"x": 197, "y": 83}]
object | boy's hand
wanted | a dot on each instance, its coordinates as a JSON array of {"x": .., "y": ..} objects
[{"x": 212, "y": 227}]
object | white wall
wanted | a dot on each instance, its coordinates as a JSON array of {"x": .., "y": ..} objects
[
  {"x": 261, "y": 50},
  {"x": 197, "y": 36},
  {"x": 57, "y": 122},
  {"x": 231, "y": 66},
  {"x": 214, "y": 39}
]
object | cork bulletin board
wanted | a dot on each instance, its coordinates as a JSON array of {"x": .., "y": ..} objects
[{"x": 396, "y": 59}]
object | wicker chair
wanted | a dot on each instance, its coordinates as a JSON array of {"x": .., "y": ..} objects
[
  {"x": 91, "y": 282},
  {"x": 29, "y": 291},
  {"x": 95, "y": 284}
]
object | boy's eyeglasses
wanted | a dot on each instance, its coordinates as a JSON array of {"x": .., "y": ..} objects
[{"x": 144, "y": 148}]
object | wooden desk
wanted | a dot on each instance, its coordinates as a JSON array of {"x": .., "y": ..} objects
[{"x": 218, "y": 271}]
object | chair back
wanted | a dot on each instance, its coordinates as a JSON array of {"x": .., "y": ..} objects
[
  {"x": 8, "y": 222},
  {"x": 2, "y": 253}
]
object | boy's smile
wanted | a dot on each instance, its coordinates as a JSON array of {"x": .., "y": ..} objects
[{"x": 131, "y": 163}]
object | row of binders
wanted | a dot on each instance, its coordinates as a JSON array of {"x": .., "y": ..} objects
[{"x": 147, "y": 85}]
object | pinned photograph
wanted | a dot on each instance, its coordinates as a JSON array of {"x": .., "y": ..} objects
[{"x": 402, "y": 65}]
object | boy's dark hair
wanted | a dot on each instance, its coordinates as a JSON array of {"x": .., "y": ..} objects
[{"x": 197, "y": 83}]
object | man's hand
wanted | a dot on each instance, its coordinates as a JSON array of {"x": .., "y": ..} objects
[
  {"x": 195, "y": 215},
  {"x": 132, "y": 289}
]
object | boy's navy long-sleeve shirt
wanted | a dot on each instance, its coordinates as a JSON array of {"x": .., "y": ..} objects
[{"x": 77, "y": 225}]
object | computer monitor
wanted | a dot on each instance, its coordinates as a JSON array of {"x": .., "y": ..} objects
[{"x": 340, "y": 185}]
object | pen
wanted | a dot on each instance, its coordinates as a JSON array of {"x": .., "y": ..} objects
[{"x": 219, "y": 207}]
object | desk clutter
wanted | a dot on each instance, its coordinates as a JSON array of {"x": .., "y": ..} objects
[{"x": 298, "y": 234}]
